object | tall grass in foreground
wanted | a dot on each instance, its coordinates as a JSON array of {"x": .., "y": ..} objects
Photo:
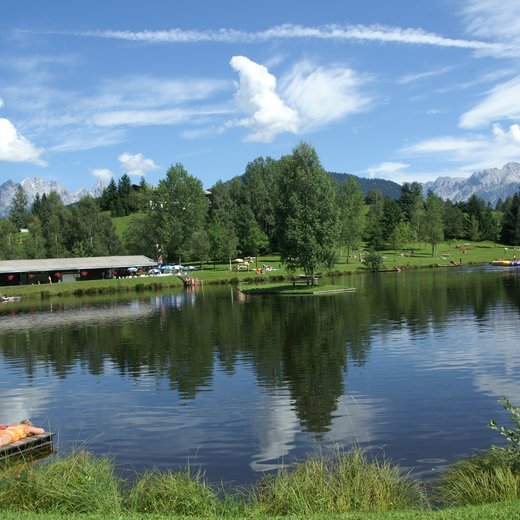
[
  {"x": 76, "y": 483},
  {"x": 179, "y": 493},
  {"x": 492, "y": 476},
  {"x": 344, "y": 483}
]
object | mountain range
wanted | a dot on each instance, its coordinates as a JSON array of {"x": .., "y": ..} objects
[
  {"x": 490, "y": 185},
  {"x": 36, "y": 185}
]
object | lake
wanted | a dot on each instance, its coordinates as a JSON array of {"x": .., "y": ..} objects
[{"x": 410, "y": 367}]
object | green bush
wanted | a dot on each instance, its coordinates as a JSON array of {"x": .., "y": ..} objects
[
  {"x": 347, "y": 482},
  {"x": 512, "y": 435}
]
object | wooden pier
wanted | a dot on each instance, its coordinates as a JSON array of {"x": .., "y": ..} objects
[{"x": 33, "y": 446}]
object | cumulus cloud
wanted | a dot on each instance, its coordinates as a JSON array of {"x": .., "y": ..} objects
[
  {"x": 103, "y": 174},
  {"x": 504, "y": 136},
  {"x": 267, "y": 114},
  {"x": 500, "y": 103},
  {"x": 137, "y": 165},
  {"x": 306, "y": 98},
  {"x": 14, "y": 147}
]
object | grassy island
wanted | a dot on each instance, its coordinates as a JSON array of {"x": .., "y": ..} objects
[{"x": 295, "y": 290}]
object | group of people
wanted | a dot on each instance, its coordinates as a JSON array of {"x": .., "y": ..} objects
[{"x": 10, "y": 433}]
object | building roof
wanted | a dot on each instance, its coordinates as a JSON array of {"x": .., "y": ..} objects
[{"x": 73, "y": 264}]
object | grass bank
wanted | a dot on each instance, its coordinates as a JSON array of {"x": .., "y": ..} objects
[
  {"x": 412, "y": 257},
  {"x": 497, "y": 511},
  {"x": 345, "y": 485}
]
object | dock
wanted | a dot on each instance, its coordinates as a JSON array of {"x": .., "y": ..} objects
[{"x": 30, "y": 447}]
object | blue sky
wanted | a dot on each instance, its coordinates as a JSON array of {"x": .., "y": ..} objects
[{"x": 402, "y": 90}]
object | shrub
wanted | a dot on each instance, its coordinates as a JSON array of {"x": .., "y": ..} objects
[{"x": 512, "y": 435}]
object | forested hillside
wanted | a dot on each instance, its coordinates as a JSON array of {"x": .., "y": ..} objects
[{"x": 178, "y": 220}]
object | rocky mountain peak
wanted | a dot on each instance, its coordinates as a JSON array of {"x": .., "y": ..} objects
[{"x": 37, "y": 185}]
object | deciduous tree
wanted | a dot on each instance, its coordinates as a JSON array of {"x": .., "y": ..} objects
[{"x": 307, "y": 213}]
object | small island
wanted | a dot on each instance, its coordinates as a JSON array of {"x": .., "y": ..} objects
[{"x": 295, "y": 290}]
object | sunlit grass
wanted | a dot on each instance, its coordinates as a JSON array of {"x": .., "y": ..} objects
[
  {"x": 76, "y": 483},
  {"x": 345, "y": 482},
  {"x": 447, "y": 253},
  {"x": 489, "y": 477},
  {"x": 181, "y": 493}
]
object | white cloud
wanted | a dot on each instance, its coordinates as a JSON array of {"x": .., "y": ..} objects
[
  {"x": 502, "y": 102},
  {"x": 103, "y": 174},
  {"x": 413, "y": 77},
  {"x": 504, "y": 136},
  {"x": 172, "y": 116},
  {"x": 457, "y": 145},
  {"x": 498, "y": 21},
  {"x": 1, "y": 102},
  {"x": 473, "y": 152},
  {"x": 14, "y": 147},
  {"x": 307, "y": 97},
  {"x": 376, "y": 33},
  {"x": 267, "y": 114},
  {"x": 323, "y": 95},
  {"x": 137, "y": 165},
  {"x": 387, "y": 169}
]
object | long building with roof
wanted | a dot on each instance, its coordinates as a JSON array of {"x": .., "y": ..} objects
[{"x": 51, "y": 270}]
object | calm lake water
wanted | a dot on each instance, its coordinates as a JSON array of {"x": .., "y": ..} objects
[{"x": 409, "y": 366}]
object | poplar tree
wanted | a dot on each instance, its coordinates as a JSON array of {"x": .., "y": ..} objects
[{"x": 307, "y": 213}]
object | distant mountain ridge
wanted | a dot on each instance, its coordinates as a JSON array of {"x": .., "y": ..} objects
[
  {"x": 386, "y": 187},
  {"x": 490, "y": 185},
  {"x": 36, "y": 185}
]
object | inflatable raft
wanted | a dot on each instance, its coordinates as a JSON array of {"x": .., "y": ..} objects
[{"x": 506, "y": 263}]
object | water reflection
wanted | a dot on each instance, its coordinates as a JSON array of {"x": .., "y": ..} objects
[{"x": 411, "y": 364}]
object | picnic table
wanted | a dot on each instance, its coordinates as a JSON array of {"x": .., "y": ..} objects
[{"x": 306, "y": 279}]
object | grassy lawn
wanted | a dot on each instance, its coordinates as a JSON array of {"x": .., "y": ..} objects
[
  {"x": 499, "y": 510},
  {"x": 220, "y": 273}
]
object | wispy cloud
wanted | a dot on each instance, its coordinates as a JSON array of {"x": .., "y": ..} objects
[
  {"x": 413, "y": 77},
  {"x": 324, "y": 94},
  {"x": 500, "y": 103},
  {"x": 387, "y": 169},
  {"x": 366, "y": 33},
  {"x": 473, "y": 152},
  {"x": 497, "y": 21},
  {"x": 14, "y": 147}
]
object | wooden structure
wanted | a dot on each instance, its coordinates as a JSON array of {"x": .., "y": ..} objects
[{"x": 33, "y": 446}]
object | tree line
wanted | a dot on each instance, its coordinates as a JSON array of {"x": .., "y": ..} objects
[{"x": 291, "y": 206}]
